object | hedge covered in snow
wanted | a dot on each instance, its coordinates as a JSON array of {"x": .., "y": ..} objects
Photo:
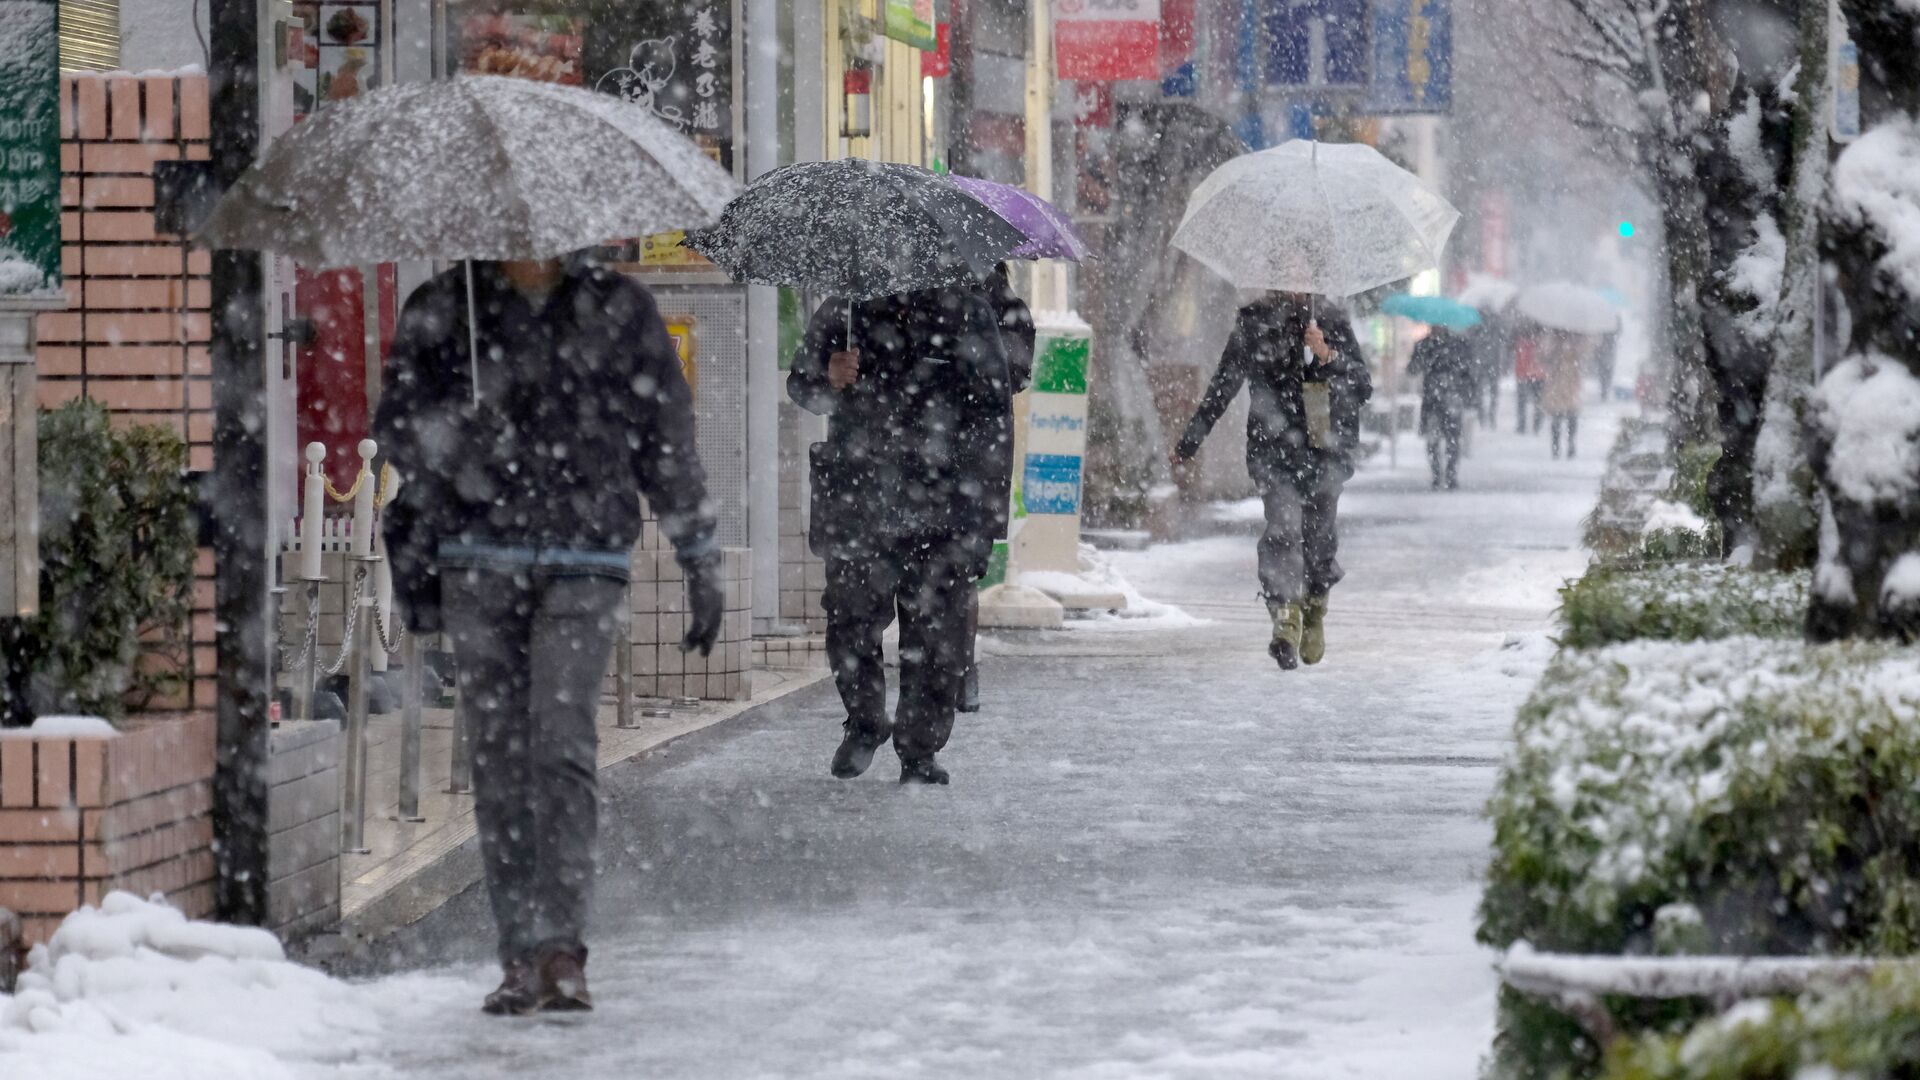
[
  {"x": 1746, "y": 795},
  {"x": 1680, "y": 602},
  {"x": 1866, "y": 1031}
]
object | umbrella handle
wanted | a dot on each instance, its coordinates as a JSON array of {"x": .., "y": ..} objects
[{"x": 473, "y": 339}]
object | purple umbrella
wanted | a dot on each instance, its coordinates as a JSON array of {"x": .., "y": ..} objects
[{"x": 1049, "y": 234}]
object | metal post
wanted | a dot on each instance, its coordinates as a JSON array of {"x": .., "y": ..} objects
[
  {"x": 310, "y": 667},
  {"x": 410, "y": 696},
  {"x": 460, "y": 772},
  {"x": 236, "y": 490},
  {"x": 353, "y": 817},
  {"x": 623, "y": 663}
]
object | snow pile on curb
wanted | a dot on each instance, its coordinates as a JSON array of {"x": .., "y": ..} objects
[
  {"x": 1099, "y": 575},
  {"x": 134, "y": 989},
  {"x": 1765, "y": 782}
]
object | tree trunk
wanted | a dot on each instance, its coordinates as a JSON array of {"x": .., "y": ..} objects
[
  {"x": 1870, "y": 529},
  {"x": 1785, "y": 521},
  {"x": 1682, "y": 70}
]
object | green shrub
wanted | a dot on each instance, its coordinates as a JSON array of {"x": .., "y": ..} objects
[
  {"x": 116, "y": 553},
  {"x": 1680, "y": 602},
  {"x": 1766, "y": 784},
  {"x": 1868, "y": 1030}
]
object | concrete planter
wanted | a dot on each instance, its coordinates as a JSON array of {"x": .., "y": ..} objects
[
  {"x": 81, "y": 817},
  {"x": 303, "y": 827}
]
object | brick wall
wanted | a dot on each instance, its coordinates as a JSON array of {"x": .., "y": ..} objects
[
  {"x": 135, "y": 336},
  {"x": 82, "y": 817}
]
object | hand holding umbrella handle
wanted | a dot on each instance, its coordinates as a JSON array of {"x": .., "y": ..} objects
[{"x": 843, "y": 368}]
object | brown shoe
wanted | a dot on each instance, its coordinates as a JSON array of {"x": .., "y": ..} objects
[
  {"x": 519, "y": 993},
  {"x": 563, "y": 982}
]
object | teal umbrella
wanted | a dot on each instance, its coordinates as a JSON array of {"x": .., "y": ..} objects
[{"x": 1432, "y": 310}]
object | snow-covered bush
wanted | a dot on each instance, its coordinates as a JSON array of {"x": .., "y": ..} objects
[
  {"x": 1764, "y": 783},
  {"x": 1680, "y": 602},
  {"x": 1865, "y": 1031}
]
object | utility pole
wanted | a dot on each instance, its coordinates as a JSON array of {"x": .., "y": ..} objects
[{"x": 236, "y": 491}]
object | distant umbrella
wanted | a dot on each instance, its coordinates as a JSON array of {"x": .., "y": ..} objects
[
  {"x": 1326, "y": 218},
  {"x": 1487, "y": 293},
  {"x": 1562, "y": 305},
  {"x": 858, "y": 229},
  {"x": 1049, "y": 234},
  {"x": 1432, "y": 310}
]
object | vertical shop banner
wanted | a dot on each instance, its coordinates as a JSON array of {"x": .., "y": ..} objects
[
  {"x": 911, "y": 22},
  {"x": 1106, "y": 40},
  {"x": 1319, "y": 44},
  {"x": 1412, "y": 56},
  {"x": 29, "y": 147},
  {"x": 674, "y": 59},
  {"x": 1054, "y": 447}
]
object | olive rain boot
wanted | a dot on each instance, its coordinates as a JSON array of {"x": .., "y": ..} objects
[
  {"x": 1287, "y": 632},
  {"x": 1313, "y": 640}
]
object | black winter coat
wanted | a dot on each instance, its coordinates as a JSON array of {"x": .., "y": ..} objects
[
  {"x": 921, "y": 445},
  {"x": 583, "y": 408},
  {"x": 1267, "y": 351},
  {"x": 1445, "y": 366},
  {"x": 1016, "y": 328}
]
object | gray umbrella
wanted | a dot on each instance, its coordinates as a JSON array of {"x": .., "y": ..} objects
[
  {"x": 858, "y": 229},
  {"x": 478, "y": 167}
]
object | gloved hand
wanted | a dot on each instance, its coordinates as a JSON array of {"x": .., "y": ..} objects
[{"x": 707, "y": 604}]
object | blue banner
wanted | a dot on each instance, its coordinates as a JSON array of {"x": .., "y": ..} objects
[
  {"x": 1051, "y": 484},
  {"x": 1320, "y": 44},
  {"x": 1412, "y": 56}
]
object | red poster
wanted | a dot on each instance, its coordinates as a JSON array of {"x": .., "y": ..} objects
[{"x": 1106, "y": 40}]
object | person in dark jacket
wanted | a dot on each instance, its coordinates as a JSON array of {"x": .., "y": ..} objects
[
  {"x": 1444, "y": 363},
  {"x": 513, "y": 529},
  {"x": 1017, "y": 334},
  {"x": 1308, "y": 383},
  {"x": 910, "y": 490}
]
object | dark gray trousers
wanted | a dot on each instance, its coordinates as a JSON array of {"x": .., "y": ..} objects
[
  {"x": 924, "y": 585},
  {"x": 532, "y": 648},
  {"x": 1299, "y": 552}
]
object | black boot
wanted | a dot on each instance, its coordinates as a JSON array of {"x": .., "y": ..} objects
[
  {"x": 969, "y": 691},
  {"x": 856, "y": 749},
  {"x": 923, "y": 770}
]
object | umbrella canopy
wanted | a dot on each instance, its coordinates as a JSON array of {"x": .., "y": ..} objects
[
  {"x": 1334, "y": 219},
  {"x": 858, "y": 229},
  {"x": 1562, "y": 305},
  {"x": 1488, "y": 293},
  {"x": 1432, "y": 310},
  {"x": 1049, "y": 234},
  {"x": 477, "y": 167}
]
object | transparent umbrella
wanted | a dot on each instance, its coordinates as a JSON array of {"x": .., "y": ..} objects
[
  {"x": 478, "y": 167},
  {"x": 1329, "y": 219}
]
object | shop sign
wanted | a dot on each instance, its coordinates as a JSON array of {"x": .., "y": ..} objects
[
  {"x": 29, "y": 147},
  {"x": 1412, "y": 57},
  {"x": 911, "y": 22},
  {"x": 1319, "y": 44},
  {"x": 1106, "y": 40},
  {"x": 680, "y": 330},
  {"x": 1051, "y": 484}
]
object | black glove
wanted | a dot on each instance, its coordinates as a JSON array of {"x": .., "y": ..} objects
[{"x": 707, "y": 604}]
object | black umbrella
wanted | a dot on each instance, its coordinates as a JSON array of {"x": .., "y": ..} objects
[{"x": 857, "y": 229}]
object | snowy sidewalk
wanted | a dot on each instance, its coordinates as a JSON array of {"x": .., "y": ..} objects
[{"x": 1160, "y": 856}]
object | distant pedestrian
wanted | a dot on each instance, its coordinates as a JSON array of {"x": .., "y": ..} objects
[
  {"x": 1444, "y": 363},
  {"x": 1017, "y": 334},
  {"x": 1605, "y": 358},
  {"x": 1492, "y": 345},
  {"x": 1529, "y": 379},
  {"x": 910, "y": 490},
  {"x": 513, "y": 532},
  {"x": 1563, "y": 356},
  {"x": 1308, "y": 383}
]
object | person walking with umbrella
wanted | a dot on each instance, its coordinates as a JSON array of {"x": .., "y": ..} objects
[
  {"x": 908, "y": 362},
  {"x": 1308, "y": 383},
  {"x": 531, "y": 401},
  {"x": 1444, "y": 363},
  {"x": 1299, "y": 223},
  {"x": 1564, "y": 357}
]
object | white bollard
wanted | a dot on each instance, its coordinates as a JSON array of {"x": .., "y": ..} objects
[
  {"x": 313, "y": 510},
  {"x": 353, "y": 817}
]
